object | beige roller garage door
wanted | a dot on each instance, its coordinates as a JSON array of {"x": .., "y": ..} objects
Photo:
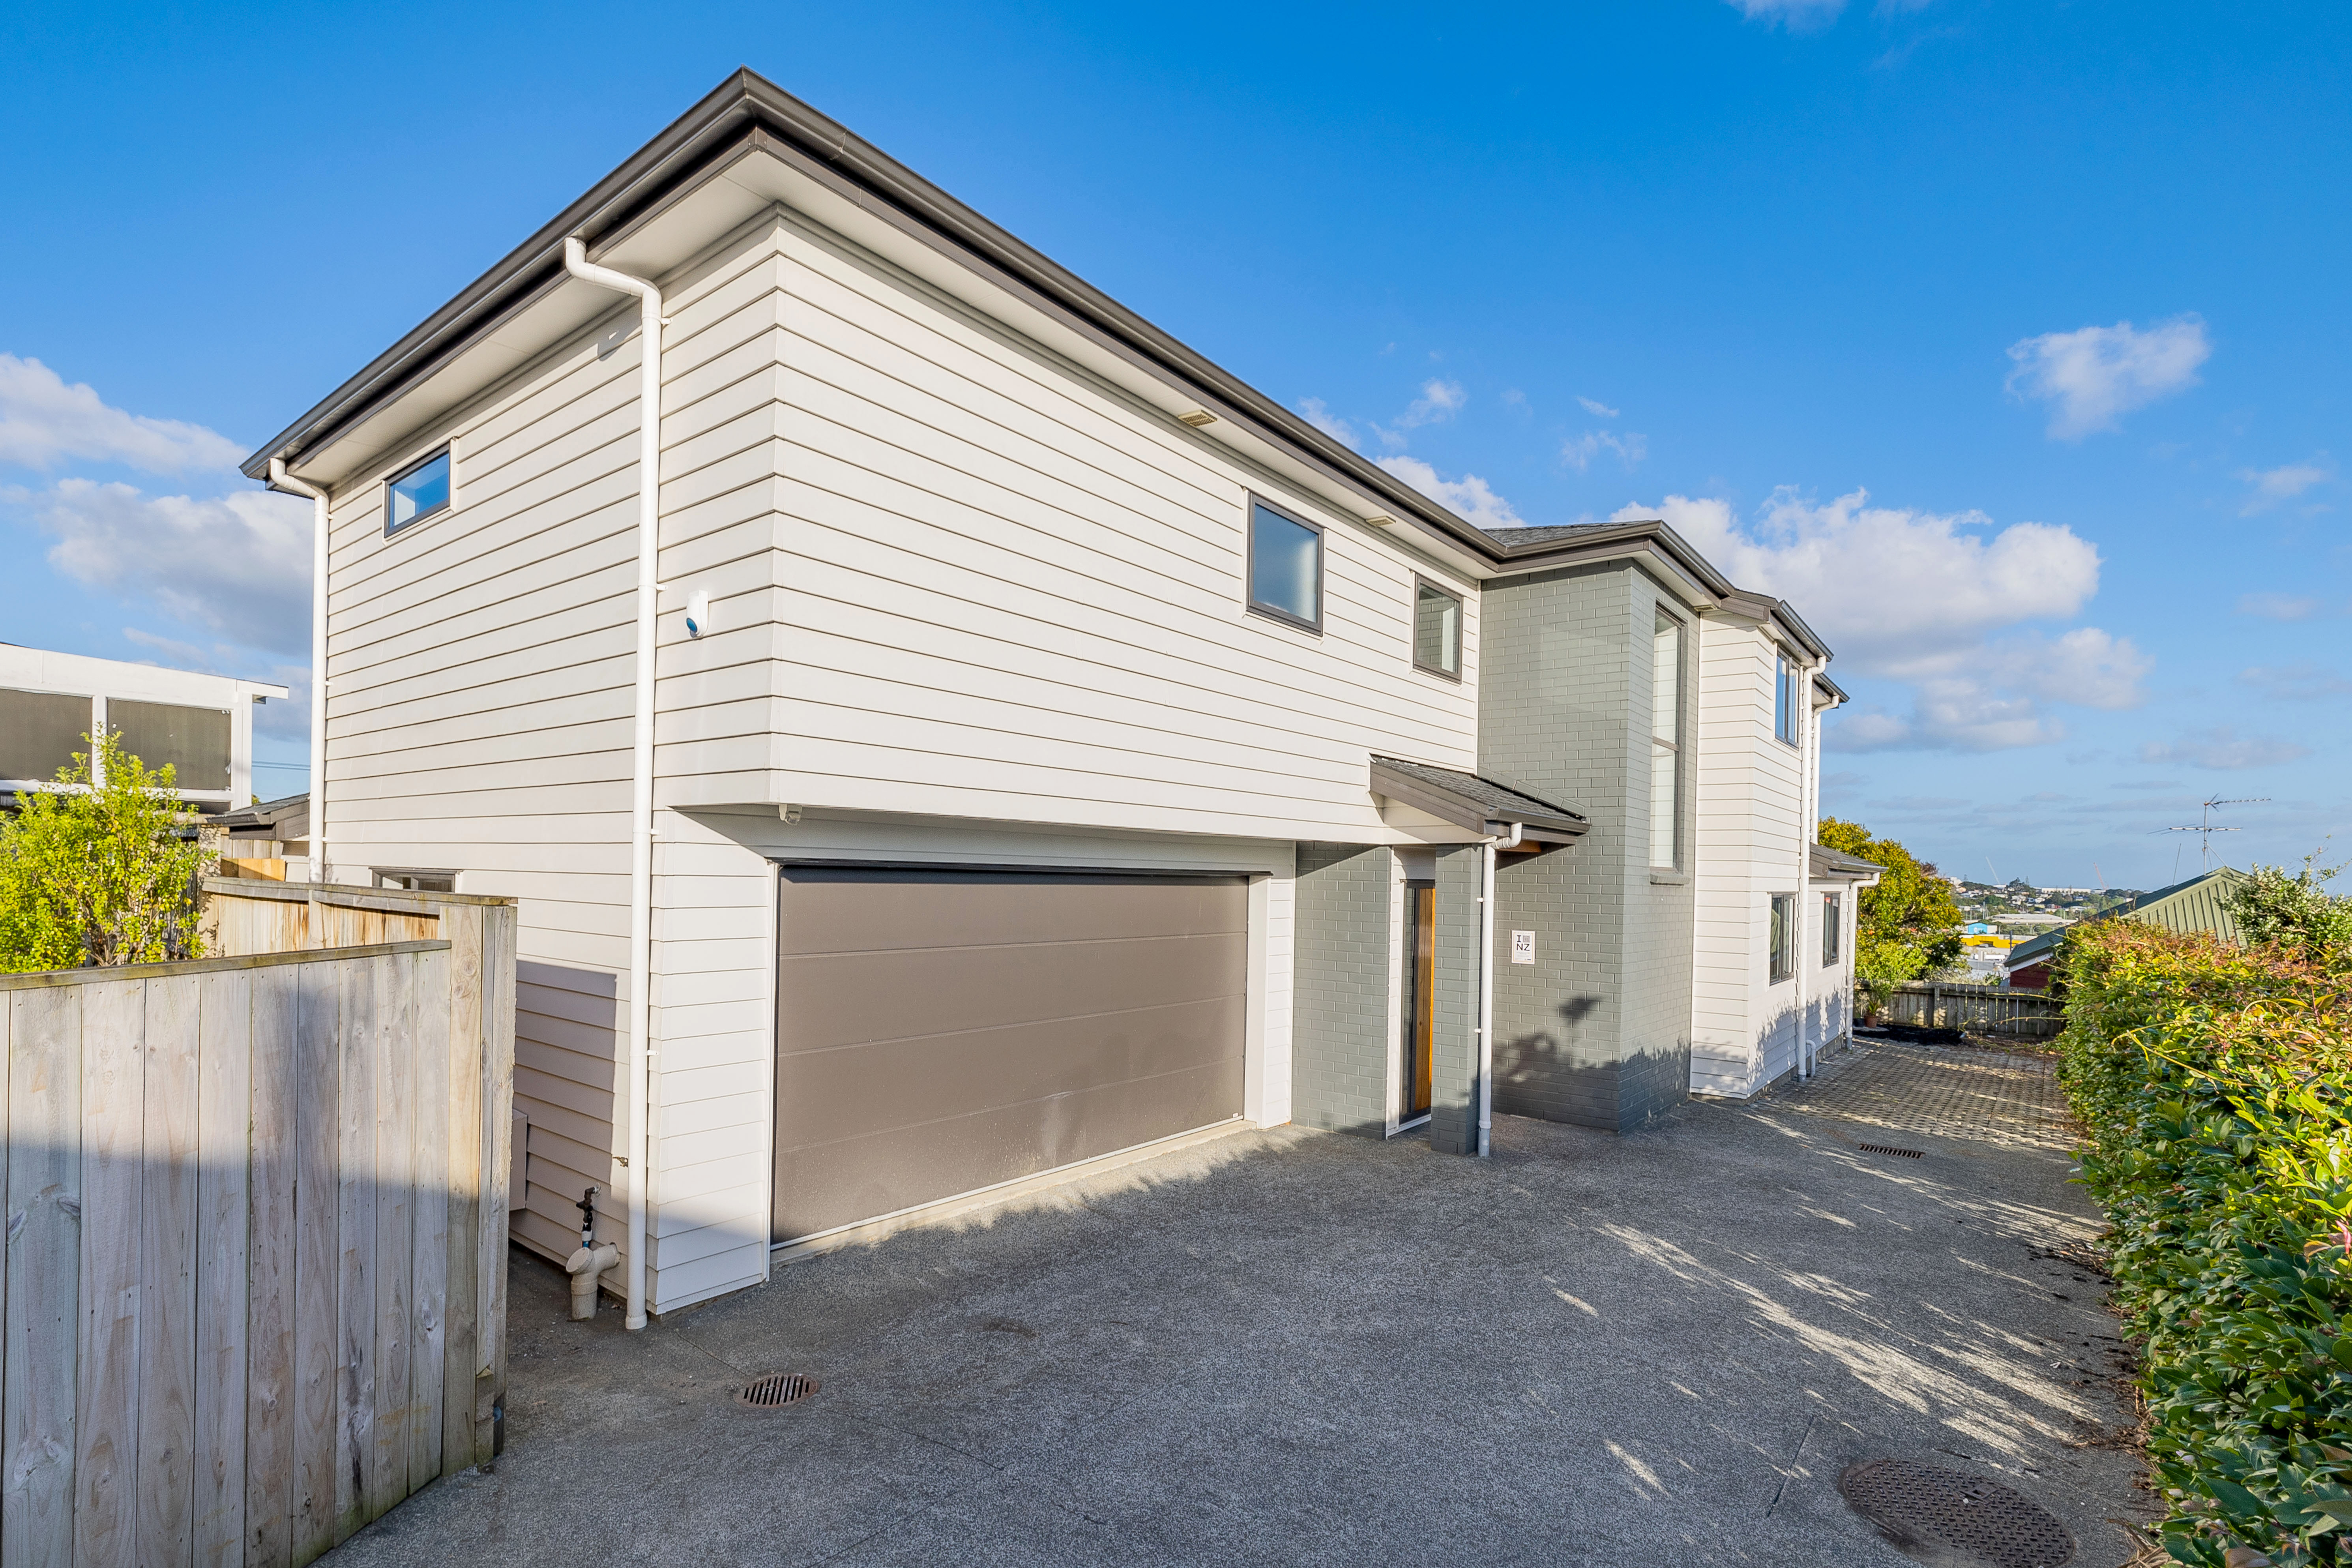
[{"x": 939, "y": 1032}]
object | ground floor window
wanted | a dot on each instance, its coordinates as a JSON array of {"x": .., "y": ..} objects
[
  {"x": 1833, "y": 930},
  {"x": 416, "y": 879},
  {"x": 1784, "y": 936}
]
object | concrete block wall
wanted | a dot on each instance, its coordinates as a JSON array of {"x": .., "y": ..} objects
[
  {"x": 1597, "y": 1031},
  {"x": 1342, "y": 1027}
]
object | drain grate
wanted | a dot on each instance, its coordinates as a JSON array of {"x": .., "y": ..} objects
[
  {"x": 1890, "y": 1148},
  {"x": 776, "y": 1389},
  {"x": 1924, "y": 1507}
]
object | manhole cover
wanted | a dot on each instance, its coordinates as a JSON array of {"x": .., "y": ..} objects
[
  {"x": 1890, "y": 1148},
  {"x": 1924, "y": 1508},
  {"x": 776, "y": 1389}
]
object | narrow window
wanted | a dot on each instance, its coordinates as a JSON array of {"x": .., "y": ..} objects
[
  {"x": 1286, "y": 568},
  {"x": 1833, "y": 930},
  {"x": 1788, "y": 692},
  {"x": 1666, "y": 741},
  {"x": 1784, "y": 936},
  {"x": 1437, "y": 629},
  {"x": 409, "y": 879},
  {"x": 417, "y": 493}
]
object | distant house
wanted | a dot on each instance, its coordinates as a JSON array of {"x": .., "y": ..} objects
[
  {"x": 51, "y": 703},
  {"x": 1977, "y": 928},
  {"x": 2195, "y": 905}
]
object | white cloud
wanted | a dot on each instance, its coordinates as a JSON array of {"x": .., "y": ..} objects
[
  {"x": 1323, "y": 419},
  {"x": 1579, "y": 451},
  {"x": 2278, "y": 606},
  {"x": 2094, "y": 376},
  {"x": 1468, "y": 497},
  {"x": 43, "y": 420},
  {"x": 1439, "y": 401},
  {"x": 1921, "y": 598},
  {"x": 2296, "y": 683},
  {"x": 1799, "y": 14},
  {"x": 2224, "y": 749},
  {"x": 2273, "y": 487},
  {"x": 1598, "y": 410},
  {"x": 240, "y": 564}
]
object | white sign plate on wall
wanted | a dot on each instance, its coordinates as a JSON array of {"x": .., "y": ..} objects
[{"x": 1523, "y": 947}]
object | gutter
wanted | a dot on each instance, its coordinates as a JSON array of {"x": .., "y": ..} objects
[
  {"x": 641, "y": 792},
  {"x": 279, "y": 479}
]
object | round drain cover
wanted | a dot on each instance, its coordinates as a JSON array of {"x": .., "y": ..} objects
[
  {"x": 1922, "y": 1508},
  {"x": 776, "y": 1389}
]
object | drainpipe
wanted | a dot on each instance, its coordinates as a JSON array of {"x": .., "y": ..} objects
[
  {"x": 279, "y": 479},
  {"x": 641, "y": 794},
  {"x": 1487, "y": 984}
]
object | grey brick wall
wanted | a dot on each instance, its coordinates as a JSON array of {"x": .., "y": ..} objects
[
  {"x": 1453, "y": 1056},
  {"x": 1340, "y": 1040},
  {"x": 1597, "y": 1031}
]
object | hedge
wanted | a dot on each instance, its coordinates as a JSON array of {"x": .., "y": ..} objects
[{"x": 2214, "y": 1086}]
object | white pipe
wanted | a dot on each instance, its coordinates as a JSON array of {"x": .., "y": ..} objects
[
  {"x": 585, "y": 1265},
  {"x": 279, "y": 479},
  {"x": 1486, "y": 984},
  {"x": 641, "y": 794}
]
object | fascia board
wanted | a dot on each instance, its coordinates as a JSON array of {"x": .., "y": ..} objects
[{"x": 1682, "y": 569}]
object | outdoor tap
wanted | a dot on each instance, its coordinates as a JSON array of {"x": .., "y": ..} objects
[{"x": 590, "y": 1261}]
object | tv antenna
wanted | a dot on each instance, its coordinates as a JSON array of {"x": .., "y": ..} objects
[{"x": 2206, "y": 827}]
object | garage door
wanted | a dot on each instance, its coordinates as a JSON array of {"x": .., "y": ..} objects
[{"x": 939, "y": 1032}]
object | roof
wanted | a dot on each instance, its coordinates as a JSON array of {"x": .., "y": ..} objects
[
  {"x": 293, "y": 812},
  {"x": 1466, "y": 800},
  {"x": 1825, "y": 861},
  {"x": 2195, "y": 905},
  {"x": 745, "y": 114}
]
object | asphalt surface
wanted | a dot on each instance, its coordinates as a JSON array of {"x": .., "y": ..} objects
[{"x": 1289, "y": 1347}]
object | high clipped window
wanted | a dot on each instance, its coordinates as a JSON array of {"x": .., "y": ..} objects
[
  {"x": 1286, "y": 567},
  {"x": 1666, "y": 741},
  {"x": 1784, "y": 936},
  {"x": 409, "y": 879},
  {"x": 1788, "y": 702},
  {"x": 1833, "y": 929},
  {"x": 417, "y": 493},
  {"x": 1437, "y": 629}
]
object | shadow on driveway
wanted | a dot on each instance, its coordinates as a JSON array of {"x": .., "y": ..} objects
[{"x": 1289, "y": 1347}]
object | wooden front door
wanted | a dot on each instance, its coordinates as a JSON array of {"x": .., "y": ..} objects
[{"x": 1420, "y": 999}]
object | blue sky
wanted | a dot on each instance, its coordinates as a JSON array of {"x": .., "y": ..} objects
[{"x": 2006, "y": 341}]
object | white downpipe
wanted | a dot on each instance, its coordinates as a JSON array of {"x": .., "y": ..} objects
[
  {"x": 279, "y": 479},
  {"x": 641, "y": 794},
  {"x": 1486, "y": 984}
]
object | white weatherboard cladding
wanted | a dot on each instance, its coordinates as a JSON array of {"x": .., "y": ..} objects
[
  {"x": 1752, "y": 835},
  {"x": 951, "y": 577}
]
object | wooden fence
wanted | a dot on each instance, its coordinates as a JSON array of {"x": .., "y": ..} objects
[
  {"x": 255, "y": 1292},
  {"x": 1985, "y": 1009}
]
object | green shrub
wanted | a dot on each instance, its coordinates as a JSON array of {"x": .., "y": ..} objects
[
  {"x": 2274, "y": 909},
  {"x": 2213, "y": 1083},
  {"x": 97, "y": 874}
]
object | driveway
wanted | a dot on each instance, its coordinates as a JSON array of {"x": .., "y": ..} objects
[{"x": 1288, "y": 1347}]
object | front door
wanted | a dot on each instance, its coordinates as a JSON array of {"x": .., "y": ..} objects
[{"x": 1420, "y": 999}]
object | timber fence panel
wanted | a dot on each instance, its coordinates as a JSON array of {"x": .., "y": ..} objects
[
  {"x": 235, "y": 1190},
  {"x": 1982, "y": 1009}
]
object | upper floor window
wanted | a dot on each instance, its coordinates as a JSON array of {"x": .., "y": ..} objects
[
  {"x": 417, "y": 493},
  {"x": 1788, "y": 702},
  {"x": 1833, "y": 929},
  {"x": 1286, "y": 567},
  {"x": 1784, "y": 936},
  {"x": 1666, "y": 741},
  {"x": 1437, "y": 629}
]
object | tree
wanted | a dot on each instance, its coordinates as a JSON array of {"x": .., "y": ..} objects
[
  {"x": 96, "y": 872},
  {"x": 2296, "y": 912},
  {"x": 1906, "y": 927}
]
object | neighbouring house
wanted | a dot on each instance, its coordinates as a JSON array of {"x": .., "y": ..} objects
[
  {"x": 2198, "y": 904},
  {"x": 1000, "y": 741},
  {"x": 51, "y": 703},
  {"x": 269, "y": 840}
]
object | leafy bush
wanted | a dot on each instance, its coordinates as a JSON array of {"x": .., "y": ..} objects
[
  {"x": 97, "y": 873},
  {"x": 1906, "y": 928},
  {"x": 2274, "y": 909},
  {"x": 2215, "y": 1085}
]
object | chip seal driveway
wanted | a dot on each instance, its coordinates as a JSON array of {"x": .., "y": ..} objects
[{"x": 1289, "y": 1347}]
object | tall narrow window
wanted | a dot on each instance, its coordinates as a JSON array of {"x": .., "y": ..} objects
[
  {"x": 1833, "y": 929},
  {"x": 1783, "y": 936},
  {"x": 1788, "y": 700},
  {"x": 1437, "y": 629},
  {"x": 1286, "y": 568},
  {"x": 1666, "y": 741},
  {"x": 417, "y": 493}
]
